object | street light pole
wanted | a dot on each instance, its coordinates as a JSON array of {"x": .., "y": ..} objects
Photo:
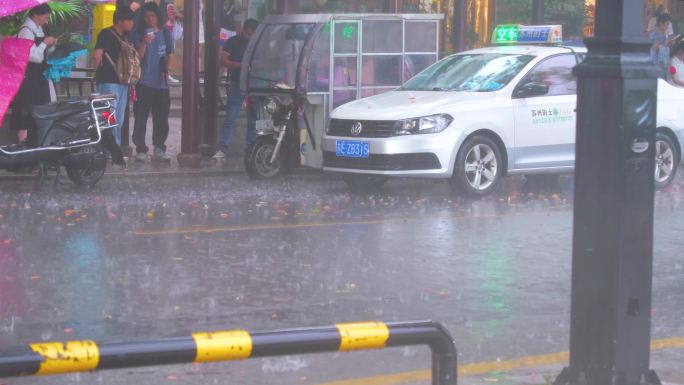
[{"x": 612, "y": 259}]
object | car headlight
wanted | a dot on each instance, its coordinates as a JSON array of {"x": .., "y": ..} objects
[
  {"x": 425, "y": 125},
  {"x": 270, "y": 105}
]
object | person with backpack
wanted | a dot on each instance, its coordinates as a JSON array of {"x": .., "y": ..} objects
[
  {"x": 116, "y": 62},
  {"x": 155, "y": 47},
  {"x": 36, "y": 88}
]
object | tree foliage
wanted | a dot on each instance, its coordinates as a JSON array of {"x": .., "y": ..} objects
[
  {"x": 62, "y": 12},
  {"x": 572, "y": 14}
]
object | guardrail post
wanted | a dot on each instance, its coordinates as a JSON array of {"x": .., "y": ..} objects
[{"x": 81, "y": 356}]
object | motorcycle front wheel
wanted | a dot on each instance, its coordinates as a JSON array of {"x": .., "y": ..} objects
[
  {"x": 258, "y": 159},
  {"x": 88, "y": 175}
]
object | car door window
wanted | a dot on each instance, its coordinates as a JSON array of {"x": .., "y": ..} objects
[{"x": 556, "y": 73}]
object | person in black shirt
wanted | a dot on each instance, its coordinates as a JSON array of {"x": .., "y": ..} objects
[
  {"x": 231, "y": 57},
  {"x": 107, "y": 49}
]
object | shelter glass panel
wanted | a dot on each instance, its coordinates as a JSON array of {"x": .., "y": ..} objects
[
  {"x": 382, "y": 70},
  {"x": 343, "y": 96},
  {"x": 421, "y": 36},
  {"x": 346, "y": 37},
  {"x": 413, "y": 64},
  {"x": 344, "y": 72},
  {"x": 319, "y": 64},
  {"x": 382, "y": 36}
]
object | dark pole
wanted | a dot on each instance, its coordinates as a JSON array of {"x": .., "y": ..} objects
[
  {"x": 190, "y": 133},
  {"x": 537, "y": 12},
  {"x": 460, "y": 25},
  {"x": 612, "y": 258},
  {"x": 211, "y": 75}
]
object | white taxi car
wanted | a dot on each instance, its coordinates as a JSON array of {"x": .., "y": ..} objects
[{"x": 477, "y": 116}]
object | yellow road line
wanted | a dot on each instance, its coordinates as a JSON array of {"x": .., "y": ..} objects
[
  {"x": 232, "y": 229},
  {"x": 480, "y": 368},
  {"x": 305, "y": 225}
]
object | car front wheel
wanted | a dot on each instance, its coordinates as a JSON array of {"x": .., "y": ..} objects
[
  {"x": 666, "y": 160},
  {"x": 478, "y": 166}
]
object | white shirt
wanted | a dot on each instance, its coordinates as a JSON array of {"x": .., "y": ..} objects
[
  {"x": 30, "y": 30},
  {"x": 676, "y": 71}
]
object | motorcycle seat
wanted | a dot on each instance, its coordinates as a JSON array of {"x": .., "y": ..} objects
[{"x": 55, "y": 110}]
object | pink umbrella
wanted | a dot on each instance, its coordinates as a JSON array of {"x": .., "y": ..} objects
[
  {"x": 14, "y": 55},
  {"x": 10, "y": 7}
]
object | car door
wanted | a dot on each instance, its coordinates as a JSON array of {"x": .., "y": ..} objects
[{"x": 544, "y": 105}]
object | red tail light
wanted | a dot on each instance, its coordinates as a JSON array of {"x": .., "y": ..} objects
[{"x": 109, "y": 117}]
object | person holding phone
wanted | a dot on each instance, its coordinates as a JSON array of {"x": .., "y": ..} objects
[
  {"x": 661, "y": 43},
  {"x": 155, "y": 47},
  {"x": 36, "y": 88}
]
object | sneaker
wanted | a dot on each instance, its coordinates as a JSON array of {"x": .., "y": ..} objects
[
  {"x": 173, "y": 80},
  {"x": 220, "y": 155},
  {"x": 161, "y": 155},
  {"x": 140, "y": 157}
]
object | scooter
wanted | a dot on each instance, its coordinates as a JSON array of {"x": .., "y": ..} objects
[
  {"x": 276, "y": 148},
  {"x": 76, "y": 134}
]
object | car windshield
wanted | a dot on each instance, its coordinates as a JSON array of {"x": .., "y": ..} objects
[{"x": 469, "y": 72}]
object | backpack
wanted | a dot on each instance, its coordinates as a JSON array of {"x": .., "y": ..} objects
[{"x": 127, "y": 67}]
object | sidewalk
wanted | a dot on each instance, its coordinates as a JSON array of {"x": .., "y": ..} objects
[{"x": 234, "y": 163}]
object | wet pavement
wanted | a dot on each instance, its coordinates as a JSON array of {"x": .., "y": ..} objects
[{"x": 141, "y": 258}]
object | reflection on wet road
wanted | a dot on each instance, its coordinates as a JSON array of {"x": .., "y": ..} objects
[{"x": 146, "y": 258}]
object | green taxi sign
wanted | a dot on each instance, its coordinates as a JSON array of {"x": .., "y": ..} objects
[
  {"x": 505, "y": 34},
  {"x": 527, "y": 34}
]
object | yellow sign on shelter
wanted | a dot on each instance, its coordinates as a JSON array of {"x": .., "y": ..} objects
[{"x": 103, "y": 17}]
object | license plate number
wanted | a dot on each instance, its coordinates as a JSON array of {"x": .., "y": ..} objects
[
  {"x": 352, "y": 149},
  {"x": 264, "y": 125}
]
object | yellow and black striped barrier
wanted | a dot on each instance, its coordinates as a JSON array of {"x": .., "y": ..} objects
[{"x": 81, "y": 356}]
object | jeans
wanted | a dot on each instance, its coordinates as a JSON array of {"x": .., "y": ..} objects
[
  {"x": 235, "y": 100},
  {"x": 121, "y": 93},
  {"x": 157, "y": 101}
]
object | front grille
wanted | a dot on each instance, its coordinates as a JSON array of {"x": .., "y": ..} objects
[
  {"x": 371, "y": 128},
  {"x": 384, "y": 162}
]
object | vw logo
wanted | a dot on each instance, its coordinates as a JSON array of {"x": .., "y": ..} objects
[{"x": 356, "y": 129}]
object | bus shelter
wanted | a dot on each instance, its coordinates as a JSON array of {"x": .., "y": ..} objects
[{"x": 332, "y": 59}]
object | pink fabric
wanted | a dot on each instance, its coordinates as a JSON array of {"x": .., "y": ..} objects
[
  {"x": 10, "y": 7},
  {"x": 14, "y": 54}
]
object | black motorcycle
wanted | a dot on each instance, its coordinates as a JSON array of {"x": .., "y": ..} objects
[{"x": 75, "y": 134}]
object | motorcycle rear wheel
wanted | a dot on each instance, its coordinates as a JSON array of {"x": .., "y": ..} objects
[
  {"x": 87, "y": 176},
  {"x": 258, "y": 159}
]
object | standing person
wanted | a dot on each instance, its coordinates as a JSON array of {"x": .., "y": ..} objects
[
  {"x": 652, "y": 21},
  {"x": 231, "y": 57},
  {"x": 174, "y": 28},
  {"x": 35, "y": 89},
  {"x": 107, "y": 51},
  {"x": 155, "y": 47},
  {"x": 661, "y": 42}
]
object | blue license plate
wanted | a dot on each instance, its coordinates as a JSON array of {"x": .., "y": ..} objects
[{"x": 352, "y": 149}]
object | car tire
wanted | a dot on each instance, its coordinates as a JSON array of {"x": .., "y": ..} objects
[
  {"x": 667, "y": 160},
  {"x": 361, "y": 183},
  {"x": 478, "y": 167}
]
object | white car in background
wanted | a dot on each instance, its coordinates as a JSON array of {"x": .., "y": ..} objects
[{"x": 477, "y": 116}]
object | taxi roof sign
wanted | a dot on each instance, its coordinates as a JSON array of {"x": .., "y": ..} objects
[{"x": 527, "y": 34}]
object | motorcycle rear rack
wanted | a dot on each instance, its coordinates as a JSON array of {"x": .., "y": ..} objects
[{"x": 77, "y": 143}]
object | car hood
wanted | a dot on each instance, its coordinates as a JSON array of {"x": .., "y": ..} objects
[{"x": 395, "y": 105}]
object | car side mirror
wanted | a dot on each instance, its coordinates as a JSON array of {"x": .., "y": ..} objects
[{"x": 531, "y": 89}]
